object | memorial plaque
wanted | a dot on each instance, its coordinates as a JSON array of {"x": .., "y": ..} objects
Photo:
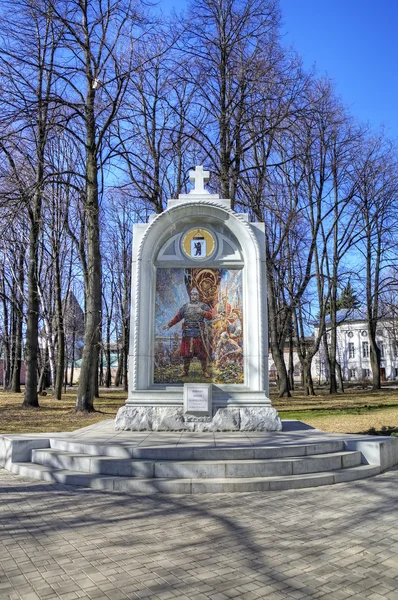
[{"x": 197, "y": 398}]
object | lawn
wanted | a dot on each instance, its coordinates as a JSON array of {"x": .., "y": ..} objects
[
  {"x": 55, "y": 415},
  {"x": 357, "y": 411}
]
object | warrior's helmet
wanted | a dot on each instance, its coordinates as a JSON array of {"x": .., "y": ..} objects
[{"x": 194, "y": 294}]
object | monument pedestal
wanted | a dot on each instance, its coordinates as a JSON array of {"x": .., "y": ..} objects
[{"x": 173, "y": 418}]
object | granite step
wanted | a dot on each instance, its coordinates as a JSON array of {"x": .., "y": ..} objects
[
  {"x": 201, "y": 452},
  {"x": 192, "y": 486},
  {"x": 203, "y": 469}
]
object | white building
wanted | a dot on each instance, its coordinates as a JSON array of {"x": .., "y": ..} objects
[{"x": 353, "y": 348}]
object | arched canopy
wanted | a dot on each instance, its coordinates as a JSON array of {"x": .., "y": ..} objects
[{"x": 239, "y": 245}]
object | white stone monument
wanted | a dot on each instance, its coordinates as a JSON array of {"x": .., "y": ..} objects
[{"x": 198, "y": 356}]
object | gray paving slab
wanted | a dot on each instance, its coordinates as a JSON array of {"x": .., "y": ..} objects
[
  {"x": 294, "y": 433},
  {"x": 337, "y": 542},
  {"x": 57, "y": 541}
]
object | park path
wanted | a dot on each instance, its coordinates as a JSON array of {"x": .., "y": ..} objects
[{"x": 333, "y": 542}]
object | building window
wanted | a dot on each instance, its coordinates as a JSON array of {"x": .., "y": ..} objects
[
  {"x": 365, "y": 349},
  {"x": 395, "y": 349},
  {"x": 350, "y": 334},
  {"x": 351, "y": 350},
  {"x": 381, "y": 348},
  {"x": 364, "y": 333},
  {"x": 351, "y": 373},
  {"x": 366, "y": 373},
  {"x": 396, "y": 372}
]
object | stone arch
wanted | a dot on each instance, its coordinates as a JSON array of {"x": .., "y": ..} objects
[{"x": 250, "y": 237}]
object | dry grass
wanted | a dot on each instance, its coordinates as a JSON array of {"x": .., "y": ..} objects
[
  {"x": 382, "y": 421},
  {"x": 357, "y": 411},
  {"x": 54, "y": 415},
  {"x": 354, "y": 397}
]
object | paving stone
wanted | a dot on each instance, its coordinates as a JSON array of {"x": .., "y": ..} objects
[{"x": 332, "y": 543}]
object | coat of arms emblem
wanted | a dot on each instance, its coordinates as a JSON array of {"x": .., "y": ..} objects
[{"x": 198, "y": 244}]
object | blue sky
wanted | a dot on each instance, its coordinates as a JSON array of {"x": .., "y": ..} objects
[{"x": 355, "y": 43}]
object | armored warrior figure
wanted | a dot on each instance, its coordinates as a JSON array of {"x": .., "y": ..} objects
[{"x": 193, "y": 342}]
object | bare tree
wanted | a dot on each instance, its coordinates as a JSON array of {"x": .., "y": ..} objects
[
  {"x": 375, "y": 201},
  {"x": 12, "y": 299},
  {"x": 232, "y": 47},
  {"x": 155, "y": 132},
  {"x": 97, "y": 46},
  {"x": 29, "y": 40},
  {"x": 340, "y": 235}
]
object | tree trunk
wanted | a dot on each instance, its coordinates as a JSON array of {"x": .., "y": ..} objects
[
  {"x": 88, "y": 381},
  {"x": 60, "y": 364},
  {"x": 327, "y": 358},
  {"x": 40, "y": 118},
  {"x": 308, "y": 382},
  {"x": 97, "y": 393},
  {"x": 283, "y": 380},
  {"x": 333, "y": 389},
  {"x": 119, "y": 371},
  {"x": 333, "y": 283},
  {"x": 44, "y": 371},
  {"x": 16, "y": 371},
  {"x": 333, "y": 337},
  {"x": 126, "y": 320},
  {"x": 72, "y": 367},
  {"x": 60, "y": 331},
  {"x": 31, "y": 398},
  {"x": 65, "y": 376},
  {"x": 6, "y": 337},
  {"x": 108, "y": 375},
  {"x": 101, "y": 377},
  {"x": 277, "y": 352},
  {"x": 375, "y": 363},
  {"x": 340, "y": 377},
  {"x": 291, "y": 361}
]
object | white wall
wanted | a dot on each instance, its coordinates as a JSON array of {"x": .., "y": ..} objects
[{"x": 355, "y": 364}]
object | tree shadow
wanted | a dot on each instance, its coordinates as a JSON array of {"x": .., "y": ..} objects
[{"x": 203, "y": 544}]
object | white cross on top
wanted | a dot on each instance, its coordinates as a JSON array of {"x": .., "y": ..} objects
[{"x": 199, "y": 176}]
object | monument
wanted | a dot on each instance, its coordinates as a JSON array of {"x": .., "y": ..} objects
[{"x": 198, "y": 357}]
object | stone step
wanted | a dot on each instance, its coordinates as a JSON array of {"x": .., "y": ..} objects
[
  {"x": 206, "y": 469},
  {"x": 192, "y": 486},
  {"x": 196, "y": 452}
]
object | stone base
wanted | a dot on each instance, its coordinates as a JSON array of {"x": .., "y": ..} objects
[{"x": 172, "y": 418}]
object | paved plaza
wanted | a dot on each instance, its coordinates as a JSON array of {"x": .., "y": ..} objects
[{"x": 332, "y": 542}]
